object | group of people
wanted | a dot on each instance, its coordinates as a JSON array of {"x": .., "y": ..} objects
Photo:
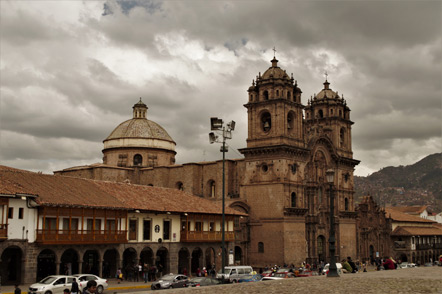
[{"x": 140, "y": 271}]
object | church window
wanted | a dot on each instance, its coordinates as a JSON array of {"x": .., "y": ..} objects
[
  {"x": 331, "y": 111},
  {"x": 277, "y": 93},
  {"x": 180, "y": 186},
  {"x": 293, "y": 168},
  {"x": 290, "y": 121},
  {"x": 266, "y": 95},
  {"x": 266, "y": 122},
  {"x": 260, "y": 247},
  {"x": 289, "y": 95},
  {"x": 346, "y": 177},
  {"x": 212, "y": 189},
  {"x": 320, "y": 195},
  {"x": 293, "y": 199},
  {"x": 346, "y": 204},
  {"x": 138, "y": 160},
  {"x": 122, "y": 160},
  {"x": 340, "y": 113},
  {"x": 342, "y": 137},
  {"x": 265, "y": 167},
  {"x": 320, "y": 113}
]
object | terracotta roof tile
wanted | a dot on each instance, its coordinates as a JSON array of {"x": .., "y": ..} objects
[
  {"x": 410, "y": 209},
  {"x": 417, "y": 231},
  {"x": 399, "y": 216},
  {"x": 64, "y": 190}
]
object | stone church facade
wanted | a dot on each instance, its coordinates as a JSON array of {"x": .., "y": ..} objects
[{"x": 280, "y": 183}]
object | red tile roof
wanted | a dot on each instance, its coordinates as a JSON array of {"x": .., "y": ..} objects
[
  {"x": 64, "y": 190},
  {"x": 410, "y": 209},
  {"x": 399, "y": 216},
  {"x": 417, "y": 231}
]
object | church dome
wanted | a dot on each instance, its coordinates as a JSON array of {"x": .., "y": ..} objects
[
  {"x": 327, "y": 92},
  {"x": 139, "y": 132},
  {"x": 275, "y": 72}
]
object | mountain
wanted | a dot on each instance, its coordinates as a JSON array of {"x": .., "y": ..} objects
[{"x": 416, "y": 184}]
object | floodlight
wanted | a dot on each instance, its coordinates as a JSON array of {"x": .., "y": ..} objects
[
  {"x": 231, "y": 125},
  {"x": 216, "y": 123},
  {"x": 212, "y": 137}
]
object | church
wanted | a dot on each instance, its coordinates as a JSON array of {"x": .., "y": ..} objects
[{"x": 280, "y": 183}]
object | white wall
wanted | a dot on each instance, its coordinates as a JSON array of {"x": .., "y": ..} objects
[{"x": 28, "y": 222}]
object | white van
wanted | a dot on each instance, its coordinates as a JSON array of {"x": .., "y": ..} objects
[{"x": 234, "y": 273}]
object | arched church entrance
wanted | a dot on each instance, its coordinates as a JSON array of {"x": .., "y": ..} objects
[
  {"x": 110, "y": 263},
  {"x": 371, "y": 248},
  {"x": 11, "y": 266},
  {"x": 45, "y": 264},
  {"x": 69, "y": 263}
]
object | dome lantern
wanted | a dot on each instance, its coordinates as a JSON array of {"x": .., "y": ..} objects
[{"x": 139, "y": 109}]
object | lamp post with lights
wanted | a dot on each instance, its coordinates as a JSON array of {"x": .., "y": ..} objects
[
  {"x": 217, "y": 124},
  {"x": 332, "y": 271}
]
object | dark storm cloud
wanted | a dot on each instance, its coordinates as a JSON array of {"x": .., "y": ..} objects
[{"x": 71, "y": 75}]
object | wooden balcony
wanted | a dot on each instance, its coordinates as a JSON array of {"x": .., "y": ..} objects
[
  {"x": 3, "y": 232},
  {"x": 81, "y": 237},
  {"x": 205, "y": 236}
]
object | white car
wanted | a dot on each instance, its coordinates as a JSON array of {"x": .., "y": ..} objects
[
  {"x": 52, "y": 285},
  {"x": 82, "y": 280},
  {"x": 338, "y": 265}
]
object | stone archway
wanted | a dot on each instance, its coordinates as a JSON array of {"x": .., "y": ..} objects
[
  {"x": 11, "y": 266},
  {"x": 183, "y": 261},
  {"x": 69, "y": 262},
  {"x": 238, "y": 255},
  {"x": 162, "y": 261},
  {"x": 129, "y": 262},
  {"x": 403, "y": 257},
  {"x": 90, "y": 262},
  {"x": 110, "y": 263},
  {"x": 196, "y": 262},
  {"x": 210, "y": 258},
  {"x": 46, "y": 264},
  {"x": 146, "y": 256}
]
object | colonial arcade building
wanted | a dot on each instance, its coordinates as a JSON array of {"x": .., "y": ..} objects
[
  {"x": 280, "y": 183},
  {"x": 57, "y": 225}
]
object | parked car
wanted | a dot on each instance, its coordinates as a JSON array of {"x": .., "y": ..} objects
[
  {"x": 304, "y": 273},
  {"x": 82, "y": 280},
  {"x": 338, "y": 265},
  {"x": 250, "y": 278},
  {"x": 279, "y": 276},
  {"x": 52, "y": 285},
  {"x": 170, "y": 281},
  {"x": 267, "y": 273},
  {"x": 234, "y": 273},
  {"x": 203, "y": 281}
]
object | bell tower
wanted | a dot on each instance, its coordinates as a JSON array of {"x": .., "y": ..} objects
[{"x": 274, "y": 110}]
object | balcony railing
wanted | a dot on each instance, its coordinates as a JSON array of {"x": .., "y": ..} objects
[
  {"x": 3, "y": 232},
  {"x": 437, "y": 245},
  {"x": 193, "y": 236},
  {"x": 81, "y": 236},
  {"x": 399, "y": 244},
  {"x": 423, "y": 246}
]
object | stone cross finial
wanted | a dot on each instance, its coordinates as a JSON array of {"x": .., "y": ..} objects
[{"x": 274, "y": 52}]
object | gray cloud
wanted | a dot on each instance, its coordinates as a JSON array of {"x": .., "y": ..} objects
[{"x": 71, "y": 72}]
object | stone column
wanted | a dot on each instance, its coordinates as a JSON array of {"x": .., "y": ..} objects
[{"x": 100, "y": 267}]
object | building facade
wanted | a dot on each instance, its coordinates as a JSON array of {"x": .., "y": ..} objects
[{"x": 280, "y": 183}]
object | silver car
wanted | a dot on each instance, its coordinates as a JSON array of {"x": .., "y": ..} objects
[
  {"x": 82, "y": 280},
  {"x": 52, "y": 285},
  {"x": 170, "y": 281}
]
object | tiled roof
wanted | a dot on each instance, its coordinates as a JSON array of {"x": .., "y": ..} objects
[
  {"x": 417, "y": 231},
  {"x": 410, "y": 209},
  {"x": 63, "y": 190},
  {"x": 399, "y": 216}
]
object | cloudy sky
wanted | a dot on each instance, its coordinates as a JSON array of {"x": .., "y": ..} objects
[{"x": 72, "y": 70}]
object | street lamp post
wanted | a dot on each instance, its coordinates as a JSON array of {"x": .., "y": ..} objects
[
  {"x": 332, "y": 270},
  {"x": 217, "y": 124}
]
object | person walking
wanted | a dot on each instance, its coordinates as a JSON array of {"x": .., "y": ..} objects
[
  {"x": 17, "y": 289},
  {"x": 74, "y": 287},
  {"x": 119, "y": 275}
]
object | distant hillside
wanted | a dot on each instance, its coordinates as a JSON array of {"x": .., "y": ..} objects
[{"x": 416, "y": 184}]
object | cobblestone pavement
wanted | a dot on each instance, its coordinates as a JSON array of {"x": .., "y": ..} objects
[{"x": 410, "y": 280}]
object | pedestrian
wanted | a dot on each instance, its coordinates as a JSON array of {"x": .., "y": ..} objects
[
  {"x": 17, "y": 289},
  {"x": 145, "y": 272},
  {"x": 119, "y": 275},
  {"x": 388, "y": 264},
  {"x": 354, "y": 269},
  {"x": 160, "y": 270},
  {"x": 91, "y": 287},
  {"x": 66, "y": 291},
  {"x": 74, "y": 287},
  {"x": 198, "y": 272}
]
